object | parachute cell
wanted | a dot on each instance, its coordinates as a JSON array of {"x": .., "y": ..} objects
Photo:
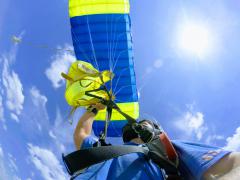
[{"x": 101, "y": 34}]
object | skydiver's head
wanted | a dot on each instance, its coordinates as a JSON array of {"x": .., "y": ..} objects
[{"x": 145, "y": 130}]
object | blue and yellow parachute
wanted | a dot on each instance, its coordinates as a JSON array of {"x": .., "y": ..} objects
[{"x": 101, "y": 35}]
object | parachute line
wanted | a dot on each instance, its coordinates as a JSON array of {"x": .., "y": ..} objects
[
  {"x": 120, "y": 89},
  {"x": 92, "y": 46},
  {"x": 76, "y": 40},
  {"x": 114, "y": 49},
  {"x": 119, "y": 100},
  {"x": 109, "y": 43},
  {"x": 121, "y": 73},
  {"x": 115, "y": 43},
  {"x": 115, "y": 63}
]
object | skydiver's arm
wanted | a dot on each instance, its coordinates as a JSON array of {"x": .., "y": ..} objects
[
  {"x": 84, "y": 126},
  {"x": 227, "y": 168}
]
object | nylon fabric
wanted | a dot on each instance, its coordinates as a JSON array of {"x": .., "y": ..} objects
[
  {"x": 113, "y": 127},
  {"x": 83, "y": 77},
  {"x": 101, "y": 34},
  {"x": 88, "y": 7},
  {"x": 131, "y": 109}
]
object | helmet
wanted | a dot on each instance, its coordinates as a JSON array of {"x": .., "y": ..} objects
[
  {"x": 128, "y": 133},
  {"x": 145, "y": 129}
]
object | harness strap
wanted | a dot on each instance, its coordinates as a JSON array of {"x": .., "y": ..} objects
[
  {"x": 170, "y": 150},
  {"x": 84, "y": 158}
]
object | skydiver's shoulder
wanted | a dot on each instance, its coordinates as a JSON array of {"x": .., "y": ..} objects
[
  {"x": 227, "y": 168},
  {"x": 197, "y": 157},
  {"x": 190, "y": 143},
  {"x": 194, "y": 146}
]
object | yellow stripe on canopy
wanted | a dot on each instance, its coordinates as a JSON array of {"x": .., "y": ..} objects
[
  {"x": 131, "y": 108},
  {"x": 89, "y": 7}
]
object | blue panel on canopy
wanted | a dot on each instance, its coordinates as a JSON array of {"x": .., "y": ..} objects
[{"x": 105, "y": 41}]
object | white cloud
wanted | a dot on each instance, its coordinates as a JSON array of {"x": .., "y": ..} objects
[
  {"x": 192, "y": 124},
  {"x": 39, "y": 101},
  {"x": 60, "y": 63},
  {"x": 52, "y": 135},
  {"x": 47, "y": 163},
  {"x": 37, "y": 122},
  {"x": 12, "y": 89},
  {"x": 233, "y": 143},
  {"x": 37, "y": 98},
  {"x": 5, "y": 172},
  {"x": 1, "y": 109},
  {"x": 16, "y": 178},
  {"x": 65, "y": 136},
  {"x": 213, "y": 138},
  {"x": 39, "y": 126},
  {"x": 35, "y": 116},
  {"x": 12, "y": 163},
  {"x": 14, "y": 117},
  {"x": 1, "y": 152}
]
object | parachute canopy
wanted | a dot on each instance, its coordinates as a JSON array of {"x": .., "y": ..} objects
[
  {"x": 101, "y": 34},
  {"x": 16, "y": 39}
]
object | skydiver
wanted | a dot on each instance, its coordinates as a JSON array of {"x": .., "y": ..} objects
[{"x": 196, "y": 161}]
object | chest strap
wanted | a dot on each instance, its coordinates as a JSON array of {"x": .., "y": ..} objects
[{"x": 84, "y": 158}]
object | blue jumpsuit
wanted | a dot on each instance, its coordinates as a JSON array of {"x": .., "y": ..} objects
[{"x": 195, "y": 159}]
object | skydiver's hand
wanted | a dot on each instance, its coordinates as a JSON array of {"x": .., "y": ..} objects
[
  {"x": 145, "y": 132},
  {"x": 99, "y": 106}
]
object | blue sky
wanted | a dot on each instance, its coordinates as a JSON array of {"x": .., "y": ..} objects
[{"x": 193, "y": 95}]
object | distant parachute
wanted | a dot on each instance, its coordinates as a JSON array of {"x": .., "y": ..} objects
[
  {"x": 101, "y": 34},
  {"x": 16, "y": 39}
]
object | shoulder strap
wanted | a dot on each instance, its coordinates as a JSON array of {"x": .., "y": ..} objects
[
  {"x": 158, "y": 154},
  {"x": 84, "y": 158}
]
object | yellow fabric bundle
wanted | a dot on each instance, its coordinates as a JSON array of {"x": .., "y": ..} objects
[{"x": 82, "y": 77}]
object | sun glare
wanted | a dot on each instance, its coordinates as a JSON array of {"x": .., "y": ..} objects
[{"x": 194, "y": 39}]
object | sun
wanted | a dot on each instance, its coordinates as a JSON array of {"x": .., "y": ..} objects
[{"x": 194, "y": 39}]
